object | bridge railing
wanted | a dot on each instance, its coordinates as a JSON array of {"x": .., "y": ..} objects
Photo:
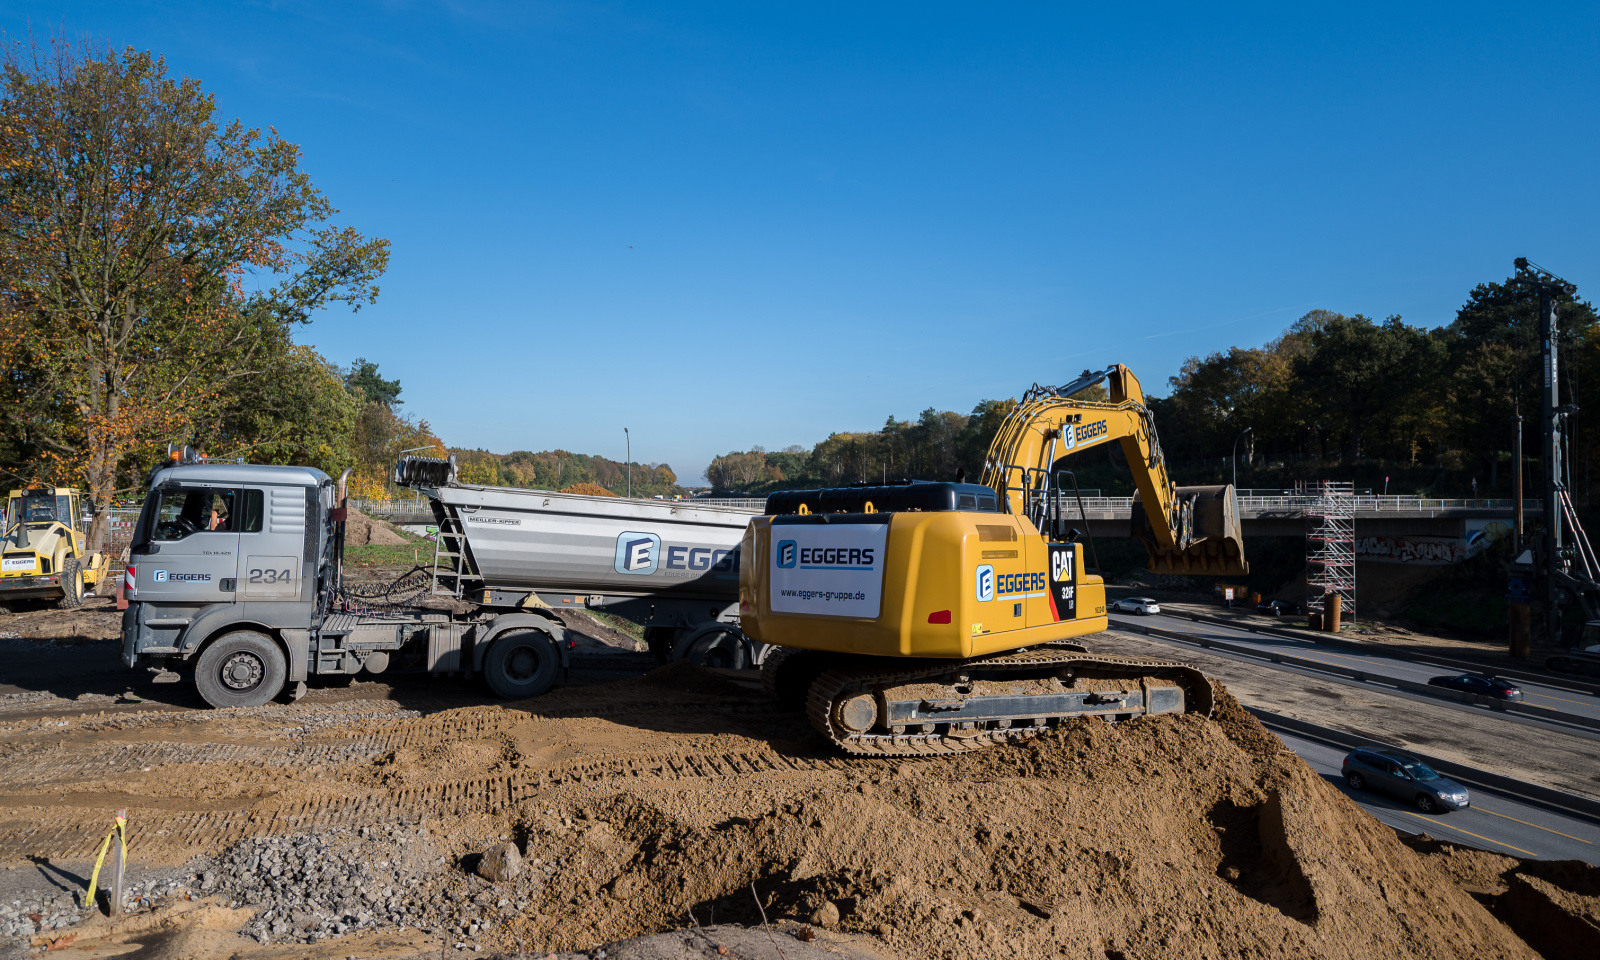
[
  {"x": 1362, "y": 504},
  {"x": 1283, "y": 501}
]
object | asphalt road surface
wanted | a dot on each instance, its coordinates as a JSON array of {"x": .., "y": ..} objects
[
  {"x": 1378, "y": 662},
  {"x": 1494, "y": 821}
]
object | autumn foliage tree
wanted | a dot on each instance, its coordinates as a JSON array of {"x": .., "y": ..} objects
[{"x": 151, "y": 258}]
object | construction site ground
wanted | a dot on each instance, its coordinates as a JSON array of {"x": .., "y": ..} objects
[{"x": 681, "y": 803}]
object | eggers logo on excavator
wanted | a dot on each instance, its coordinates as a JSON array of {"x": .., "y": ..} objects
[
  {"x": 1074, "y": 434},
  {"x": 788, "y": 553}
]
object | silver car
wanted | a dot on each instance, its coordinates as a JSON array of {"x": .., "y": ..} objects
[{"x": 1136, "y": 605}]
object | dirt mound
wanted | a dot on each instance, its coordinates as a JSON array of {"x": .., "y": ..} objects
[
  {"x": 1554, "y": 906},
  {"x": 361, "y": 530},
  {"x": 588, "y": 490},
  {"x": 676, "y": 799},
  {"x": 1166, "y": 837}
]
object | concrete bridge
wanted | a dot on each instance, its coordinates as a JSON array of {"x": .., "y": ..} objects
[{"x": 1285, "y": 516}]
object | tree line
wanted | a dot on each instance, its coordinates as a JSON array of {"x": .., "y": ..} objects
[
  {"x": 1334, "y": 396},
  {"x": 155, "y": 261},
  {"x": 563, "y": 470}
]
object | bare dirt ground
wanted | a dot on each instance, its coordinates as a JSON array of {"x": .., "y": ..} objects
[{"x": 348, "y": 824}]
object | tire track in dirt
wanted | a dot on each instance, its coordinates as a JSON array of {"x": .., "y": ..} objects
[{"x": 74, "y": 833}]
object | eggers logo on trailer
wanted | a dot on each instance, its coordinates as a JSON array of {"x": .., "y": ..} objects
[
  {"x": 159, "y": 576},
  {"x": 788, "y": 554},
  {"x": 637, "y": 553}
]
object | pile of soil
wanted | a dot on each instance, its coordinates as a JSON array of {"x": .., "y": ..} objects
[
  {"x": 1176, "y": 837},
  {"x": 679, "y": 800},
  {"x": 361, "y": 530}
]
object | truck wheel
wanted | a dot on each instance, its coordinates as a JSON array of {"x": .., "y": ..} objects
[
  {"x": 244, "y": 669},
  {"x": 521, "y": 664},
  {"x": 720, "y": 647},
  {"x": 660, "y": 640},
  {"x": 71, "y": 584}
]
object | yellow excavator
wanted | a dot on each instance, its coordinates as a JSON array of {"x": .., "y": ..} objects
[
  {"x": 927, "y": 618},
  {"x": 42, "y": 554}
]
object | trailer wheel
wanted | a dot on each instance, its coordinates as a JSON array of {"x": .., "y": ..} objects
[
  {"x": 71, "y": 584},
  {"x": 715, "y": 647},
  {"x": 521, "y": 664},
  {"x": 660, "y": 640},
  {"x": 243, "y": 669}
]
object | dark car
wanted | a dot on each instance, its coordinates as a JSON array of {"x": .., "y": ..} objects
[
  {"x": 1485, "y": 686},
  {"x": 1404, "y": 777},
  {"x": 1278, "y": 608}
]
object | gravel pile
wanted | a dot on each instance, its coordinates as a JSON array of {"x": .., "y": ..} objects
[
  {"x": 38, "y": 913},
  {"x": 310, "y": 887}
]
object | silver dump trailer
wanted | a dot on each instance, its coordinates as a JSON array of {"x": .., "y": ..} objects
[{"x": 671, "y": 566}]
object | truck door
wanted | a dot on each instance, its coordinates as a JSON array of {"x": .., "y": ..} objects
[
  {"x": 195, "y": 555},
  {"x": 273, "y": 549}
]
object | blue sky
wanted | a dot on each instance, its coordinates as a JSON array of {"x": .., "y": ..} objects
[{"x": 723, "y": 225}]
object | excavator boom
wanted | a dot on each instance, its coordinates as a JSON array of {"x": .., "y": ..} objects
[{"x": 1185, "y": 530}]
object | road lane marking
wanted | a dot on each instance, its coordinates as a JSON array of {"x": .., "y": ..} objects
[
  {"x": 1546, "y": 696},
  {"x": 1535, "y": 825},
  {"x": 1498, "y": 843}
]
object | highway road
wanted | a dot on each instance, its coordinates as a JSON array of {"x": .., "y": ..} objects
[
  {"x": 1379, "y": 662},
  {"x": 1495, "y": 821}
]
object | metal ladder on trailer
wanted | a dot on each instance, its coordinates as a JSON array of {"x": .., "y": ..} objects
[{"x": 452, "y": 568}]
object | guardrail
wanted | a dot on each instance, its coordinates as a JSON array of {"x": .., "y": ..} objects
[
  {"x": 1369, "y": 676},
  {"x": 1569, "y": 684}
]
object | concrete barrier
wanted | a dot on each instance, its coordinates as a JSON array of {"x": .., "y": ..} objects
[{"x": 1367, "y": 675}]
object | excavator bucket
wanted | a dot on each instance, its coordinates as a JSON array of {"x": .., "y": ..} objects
[{"x": 1210, "y": 538}]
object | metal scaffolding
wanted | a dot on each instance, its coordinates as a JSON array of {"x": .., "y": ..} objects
[{"x": 1330, "y": 543}]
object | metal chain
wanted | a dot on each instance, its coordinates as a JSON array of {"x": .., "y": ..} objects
[{"x": 398, "y": 594}]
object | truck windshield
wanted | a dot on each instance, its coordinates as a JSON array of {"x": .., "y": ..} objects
[{"x": 179, "y": 513}]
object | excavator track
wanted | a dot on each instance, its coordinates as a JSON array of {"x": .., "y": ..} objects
[{"x": 874, "y": 706}]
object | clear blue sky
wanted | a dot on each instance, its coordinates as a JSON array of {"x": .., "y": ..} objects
[{"x": 737, "y": 224}]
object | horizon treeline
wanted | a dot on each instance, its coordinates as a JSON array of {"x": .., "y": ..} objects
[{"x": 1333, "y": 397}]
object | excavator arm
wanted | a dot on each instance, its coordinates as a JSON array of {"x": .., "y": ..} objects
[{"x": 1185, "y": 530}]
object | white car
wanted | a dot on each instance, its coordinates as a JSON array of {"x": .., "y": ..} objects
[{"x": 1136, "y": 605}]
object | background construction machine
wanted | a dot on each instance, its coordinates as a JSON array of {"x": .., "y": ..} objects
[
  {"x": 43, "y": 550},
  {"x": 923, "y": 618}
]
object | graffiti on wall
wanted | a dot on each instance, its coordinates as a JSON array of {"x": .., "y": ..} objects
[
  {"x": 1434, "y": 551},
  {"x": 1422, "y": 551}
]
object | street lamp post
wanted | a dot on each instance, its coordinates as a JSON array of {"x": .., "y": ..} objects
[
  {"x": 629, "y": 440},
  {"x": 1234, "y": 456}
]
